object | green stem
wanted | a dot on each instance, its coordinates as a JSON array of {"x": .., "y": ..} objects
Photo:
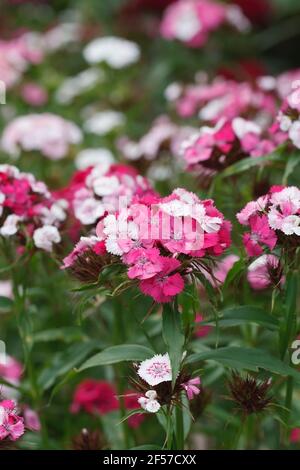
[
  {"x": 120, "y": 337},
  {"x": 179, "y": 428}
]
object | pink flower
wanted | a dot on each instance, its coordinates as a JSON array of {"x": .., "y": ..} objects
[
  {"x": 191, "y": 387},
  {"x": 31, "y": 419},
  {"x": 95, "y": 396},
  {"x": 261, "y": 234},
  {"x": 131, "y": 403},
  {"x": 11, "y": 370},
  {"x": 49, "y": 134},
  {"x": 166, "y": 284},
  {"x": 264, "y": 272},
  {"x": 295, "y": 436},
  {"x": 34, "y": 94},
  {"x": 11, "y": 425},
  {"x": 190, "y": 21},
  {"x": 145, "y": 263}
]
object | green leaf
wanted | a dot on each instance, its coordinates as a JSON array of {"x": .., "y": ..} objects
[
  {"x": 6, "y": 304},
  {"x": 68, "y": 335},
  {"x": 250, "y": 162},
  {"x": 240, "y": 315},
  {"x": 173, "y": 337},
  {"x": 120, "y": 353},
  {"x": 246, "y": 359},
  {"x": 233, "y": 273},
  {"x": 64, "y": 361},
  {"x": 292, "y": 162}
]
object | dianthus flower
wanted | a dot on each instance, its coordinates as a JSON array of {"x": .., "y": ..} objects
[
  {"x": 28, "y": 210},
  {"x": 191, "y": 21},
  {"x": 273, "y": 219},
  {"x": 157, "y": 238},
  {"x": 46, "y": 133},
  {"x": 11, "y": 424},
  {"x": 95, "y": 396}
]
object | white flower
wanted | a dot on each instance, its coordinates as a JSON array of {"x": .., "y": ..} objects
[
  {"x": 149, "y": 402},
  {"x": 291, "y": 225},
  {"x": 89, "y": 210},
  {"x": 45, "y": 236},
  {"x": 187, "y": 24},
  {"x": 6, "y": 289},
  {"x": 116, "y": 52},
  {"x": 2, "y": 415},
  {"x": 290, "y": 195},
  {"x": 106, "y": 185},
  {"x": 294, "y": 133},
  {"x": 241, "y": 127},
  {"x": 267, "y": 82},
  {"x": 92, "y": 157},
  {"x": 173, "y": 91},
  {"x": 285, "y": 122},
  {"x": 75, "y": 86},
  {"x": 235, "y": 16},
  {"x": 104, "y": 122},
  {"x": 10, "y": 226},
  {"x": 156, "y": 370}
]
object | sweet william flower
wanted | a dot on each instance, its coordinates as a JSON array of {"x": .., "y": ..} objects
[
  {"x": 166, "y": 284},
  {"x": 156, "y": 370},
  {"x": 149, "y": 402},
  {"x": 191, "y": 387},
  {"x": 44, "y": 237},
  {"x": 11, "y": 424},
  {"x": 145, "y": 263},
  {"x": 95, "y": 396},
  {"x": 264, "y": 272},
  {"x": 116, "y": 52}
]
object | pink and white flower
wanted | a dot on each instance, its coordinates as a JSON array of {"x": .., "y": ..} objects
[
  {"x": 49, "y": 134},
  {"x": 156, "y": 370}
]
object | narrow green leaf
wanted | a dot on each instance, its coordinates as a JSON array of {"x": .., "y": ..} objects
[
  {"x": 246, "y": 359},
  {"x": 173, "y": 337},
  {"x": 250, "y": 162},
  {"x": 120, "y": 353}
]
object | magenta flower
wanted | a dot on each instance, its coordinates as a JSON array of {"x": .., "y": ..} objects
[
  {"x": 191, "y": 387},
  {"x": 146, "y": 263},
  {"x": 11, "y": 425},
  {"x": 166, "y": 284},
  {"x": 261, "y": 234}
]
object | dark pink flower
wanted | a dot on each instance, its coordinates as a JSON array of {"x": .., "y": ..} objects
[
  {"x": 166, "y": 284},
  {"x": 95, "y": 396},
  {"x": 11, "y": 424}
]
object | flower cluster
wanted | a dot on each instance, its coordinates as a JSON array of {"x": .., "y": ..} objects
[
  {"x": 98, "y": 190},
  {"x": 157, "y": 239},
  {"x": 155, "y": 382},
  {"x": 215, "y": 148},
  {"x": 11, "y": 424},
  {"x": 191, "y": 21},
  {"x": 46, "y": 133},
  {"x": 15, "y": 56},
  {"x": 225, "y": 98},
  {"x": 28, "y": 210},
  {"x": 273, "y": 219}
]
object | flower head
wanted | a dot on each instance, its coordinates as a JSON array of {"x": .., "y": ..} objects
[{"x": 156, "y": 370}]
